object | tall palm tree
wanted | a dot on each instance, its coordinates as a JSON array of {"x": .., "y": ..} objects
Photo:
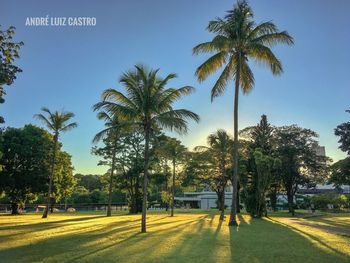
[
  {"x": 219, "y": 150},
  {"x": 239, "y": 39},
  {"x": 147, "y": 103},
  {"x": 56, "y": 122},
  {"x": 112, "y": 133}
]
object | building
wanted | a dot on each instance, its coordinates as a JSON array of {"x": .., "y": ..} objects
[{"x": 204, "y": 200}]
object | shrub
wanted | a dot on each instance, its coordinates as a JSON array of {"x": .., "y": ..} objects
[{"x": 322, "y": 201}]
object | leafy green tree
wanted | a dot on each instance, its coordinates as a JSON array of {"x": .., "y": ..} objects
[
  {"x": 341, "y": 169},
  {"x": 147, "y": 104},
  {"x": 321, "y": 201},
  {"x": 89, "y": 181},
  {"x": 80, "y": 196},
  {"x": 64, "y": 182},
  {"x": 343, "y": 131},
  {"x": 98, "y": 197},
  {"x": 55, "y": 122},
  {"x": 237, "y": 40},
  {"x": 131, "y": 166},
  {"x": 26, "y": 153},
  {"x": 265, "y": 166},
  {"x": 262, "y": 167},
  {"x": 300, "y": 165},
  {"x": 341, "y": 173},
  {"x": 9, "y": 51},
  {"x": 111, "y": 136}
]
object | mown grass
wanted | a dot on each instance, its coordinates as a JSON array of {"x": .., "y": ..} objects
[{"x": 187, "y": 237}]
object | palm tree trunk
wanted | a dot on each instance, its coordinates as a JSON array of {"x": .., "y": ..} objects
[
  {"x": 233, "y": 214},
  {"x": 109, "y": 208},
  {"x": 145, "y": 175},
  {"x": 173, "y": 191},
  {"x": 51, "y": 176}
]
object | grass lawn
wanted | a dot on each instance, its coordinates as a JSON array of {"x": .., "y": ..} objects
[{"x": 187, "y": 237}]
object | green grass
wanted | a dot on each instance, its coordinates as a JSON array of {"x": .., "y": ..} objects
[{"x": 187, "y": 237}]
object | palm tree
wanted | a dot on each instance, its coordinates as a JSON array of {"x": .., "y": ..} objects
[
  {"x": 147, "y": 104},
  {"x": 56, "y": 122},
  {"x": 220, "y": 156},
  {"x": 239, "y": 39},
  {"x": 112, "y": 133},
  {"x": 174, "y": 151}
]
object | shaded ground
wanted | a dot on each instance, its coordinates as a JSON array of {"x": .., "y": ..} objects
[
  {"x": 187, "y": 237},
  {"x": 339, "y": 225}
]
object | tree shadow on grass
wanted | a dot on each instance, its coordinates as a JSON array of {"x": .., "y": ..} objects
[
  {"x": 189, "y": 238},
  {"x": 312, "y": 237},
  {"x": 264, "y": 240},
  {"x": 331, "y": 222},
  {"x": 86, "y": 244}
]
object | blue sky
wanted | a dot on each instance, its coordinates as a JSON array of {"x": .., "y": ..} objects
[{"x": 68, "y": 67}]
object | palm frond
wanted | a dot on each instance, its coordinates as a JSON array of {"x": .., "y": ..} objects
[
  {"x": 246, "y": 78},
  {"x": 211, "y": 65},
  {"x": 112, "y": 94},
  {"x": 56, "y": 121},
  {"x": 69, "y": 127},
  {"x": 171, "y": 95},
  {"x": 228, "y": 73},
  {"x": 263, "y": 29},
  {"x": 175, "y": 120},
  {"x": 46, "y": 122},
  {"x": 272, "y": 39},
  {"x": 264, "y": 55}
]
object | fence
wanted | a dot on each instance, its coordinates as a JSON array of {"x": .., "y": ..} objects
[{"x": 6, "y": 208}]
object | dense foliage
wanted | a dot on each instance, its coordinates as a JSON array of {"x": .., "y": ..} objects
[
  {"x": 9, "y": 51},
  {"x": 27, "y": 153}
]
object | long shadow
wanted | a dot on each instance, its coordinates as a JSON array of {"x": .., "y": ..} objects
[
  {"x": 85, "y": 237},
  {"x": 189, "y": 240},
  {"x": 266, "y": 240},
  {"x": 45, "y": 223},
  {"x": 330, "y": 222},
  {"x": 44, "y": 226},
  {"x": 138, "y": 237},
  {"x": 116, "y": 225},
  {"x": 310, "y": 236},
  {"x": 196, "y": 245}
]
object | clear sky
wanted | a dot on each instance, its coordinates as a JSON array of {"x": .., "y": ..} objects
[{"x": 68, "y": 67}]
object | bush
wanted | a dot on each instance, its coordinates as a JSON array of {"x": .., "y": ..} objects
[{"x": 338, "y": 201}]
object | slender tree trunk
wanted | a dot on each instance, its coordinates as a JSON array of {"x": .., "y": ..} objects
[
  {"x": 173, "y": 191},
  {"x": 109, "y": 208},
  {"x": 145, "y": 175},
  {"x": 233, "y": 213},
  {"x": 273, "y": 199},
  {"x": 222, "y": 204},
  {"x": 52, "y": 203},
  {"x": 238, "y": 206},
  {"x": 290, "y": 201},
  {"x": 166, "y": 186},
  {"x": 51, "y": 176}
]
